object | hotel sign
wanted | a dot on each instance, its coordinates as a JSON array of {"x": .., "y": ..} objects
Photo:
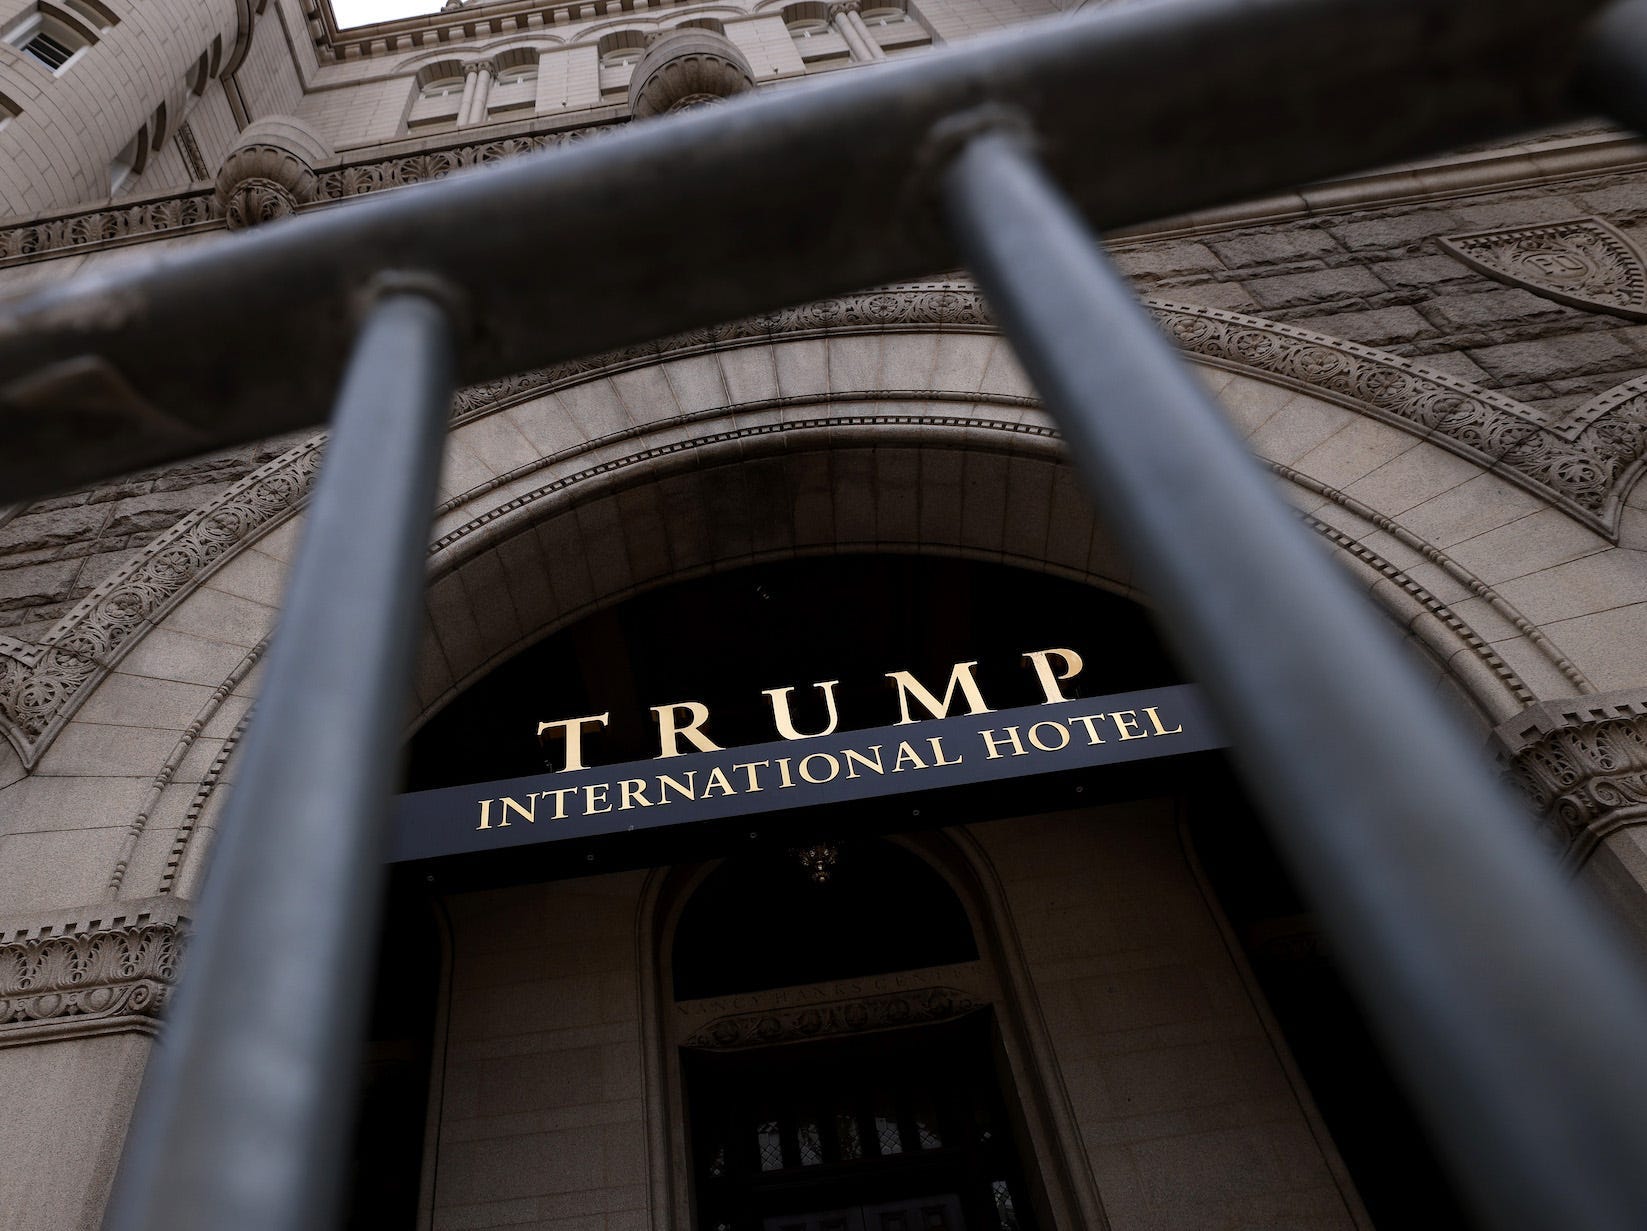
[{"x": 926, "y": 749}]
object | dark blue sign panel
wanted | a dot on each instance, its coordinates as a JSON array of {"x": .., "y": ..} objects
[{"x": 788, "y": 774}]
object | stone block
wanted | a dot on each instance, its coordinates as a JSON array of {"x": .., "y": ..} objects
[
  {"x": 1497, "y": 308},
  {"x": 1379, "y": 327},
  {"x": 1277, "y": 247},
  {"x": 1316, "y": 286}
]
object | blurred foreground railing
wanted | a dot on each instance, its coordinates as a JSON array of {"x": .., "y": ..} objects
[{"x": 1512, "y": 1014}]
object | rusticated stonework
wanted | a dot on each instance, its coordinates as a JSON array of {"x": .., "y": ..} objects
[
  {"x": 1582, "y": 262},
  {"x": 1582, "y": 764},
  {"x": 812, "y": 1021},
  {"x": 39, "y": 683},
  {"x": 89, "y": 977},
  {"x": 1581, "y": 464}
]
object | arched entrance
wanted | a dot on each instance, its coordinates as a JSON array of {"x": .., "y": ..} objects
[
  {"x": 865, "y": 1094},
  {"x": 1099, "y": 1005}
]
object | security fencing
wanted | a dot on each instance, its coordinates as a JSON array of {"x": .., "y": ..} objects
[{"x": 1514, "y": 1017}]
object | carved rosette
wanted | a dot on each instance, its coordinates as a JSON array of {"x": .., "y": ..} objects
[
  {"x": 88, "y": 981},
  {"x": 797, "y": 1022},
  {"x": 1582, "y": 262},
  {"x": 270, "y": 172},
  {"x": 1582, "y": 765},
  {"x": 686, "y": 68}
]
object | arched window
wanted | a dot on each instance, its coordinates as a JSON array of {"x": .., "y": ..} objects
[
  {"x": 819, "y": 43},
  {"x": 619, "y": 52},
  {"x": 437, "y": 95},
  {"x": 515, "y": 88}
]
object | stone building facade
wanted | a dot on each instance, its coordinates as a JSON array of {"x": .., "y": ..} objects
[{"x": 1443, "y": 365}]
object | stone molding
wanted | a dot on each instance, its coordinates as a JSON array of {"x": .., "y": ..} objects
[
  {"x": 202, "y": 209},
  {"x": 1582, "y": 465},
  {"x": 105, "y": 969},
  {"x": 105, "y": 226},
  {"x": 796, "y": 1023},
  {"x": 1582, "y": 765},
  {"x": 1581, "y": 262}
]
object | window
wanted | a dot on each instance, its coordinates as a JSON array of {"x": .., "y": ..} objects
[
  {"x": 51, "y": 36},
  {"x": 128, "y": 163},
  {"x": 619, "y": 53}
]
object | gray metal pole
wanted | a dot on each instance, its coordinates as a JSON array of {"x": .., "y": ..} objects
[
  {"x": 244, "y": 1114},
  {"x": 1150, "y": 109},
  {"x": 1613, "y": 63},
  {"x": 1515, "y": 1017}
]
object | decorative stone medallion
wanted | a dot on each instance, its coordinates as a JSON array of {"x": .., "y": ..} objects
[{"x": 1582, "y": 262}]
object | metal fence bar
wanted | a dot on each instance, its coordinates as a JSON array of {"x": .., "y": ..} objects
[
  {"x": 243, "y": 1118},
  {"x": 1514, "y": 1015},
  {"x": 700, "y": 218}
]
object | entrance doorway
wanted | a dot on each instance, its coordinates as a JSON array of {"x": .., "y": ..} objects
[{"x": 904, "y": 1130}]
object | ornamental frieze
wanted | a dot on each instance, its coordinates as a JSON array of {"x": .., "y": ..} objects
[
  {"x": 89, "y": 978},
  {"x": 1582, "y": 766},
  {"x": 1581, "y": 262}
]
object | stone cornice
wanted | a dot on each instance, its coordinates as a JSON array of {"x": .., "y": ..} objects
[
  {"x": 116, "y": 224},
  {"x": 1582, "y": 765},
  {"x": 104, "y": 969}
]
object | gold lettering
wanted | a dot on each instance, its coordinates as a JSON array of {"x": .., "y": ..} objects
[
  {"x": 786, "y": 724},
  {"x": 1049, "y": 678},
  {"x": 527, "y": 814},
  {"x": 560, "y": 795},
  {"x": 994, "y": 752},
  {"x": 937, "y": 742},
  {"x": 783, "y": 773},
  {"x": 1062, "y": 737},
  {"x": 750, "y": 767},
  {"x": 1155, "y": 721},
  {"x": 906, "y": 753},
  {"x": 571, "y": 730},
  {"x": 1126, "y": 723},
  {"x": 834, "y": 767},
  {"x": 960, "y": 676},
  {"x": 633, "y": 794},
  {"x": 486, "y": 815},
  {"x": 717, "y": 778},
  {"x": 852, "y": 754},
  {"x": 670, "y": 729},
  {"x": 590, "y": 795},
  {"x": 1086, "y": 721},
  {"x": 689, "y": 791}
]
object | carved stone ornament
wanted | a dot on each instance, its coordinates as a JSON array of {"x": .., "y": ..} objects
[
  {"x": 270, "y": 171},
  {"x": 89, "y": 976},
  {"x": 1582, "y": 262},
  {"x": 1582, "y": 765},
  {"x": 812, "y": 1021},
  {"x": 687, "y": 67}
]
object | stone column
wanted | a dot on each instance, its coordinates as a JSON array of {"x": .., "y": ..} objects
[
  {"x": 1582, "y": 764},
  {"x": 486, "y": 73},
  {"x": 844, "y": 15},
  {"x": 472, "y": 70}
]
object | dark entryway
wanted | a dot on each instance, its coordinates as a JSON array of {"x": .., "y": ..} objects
[{"x": 898, "y": 1131}]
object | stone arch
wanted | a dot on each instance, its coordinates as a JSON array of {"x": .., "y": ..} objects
[{"x": 905, "y": 393}]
